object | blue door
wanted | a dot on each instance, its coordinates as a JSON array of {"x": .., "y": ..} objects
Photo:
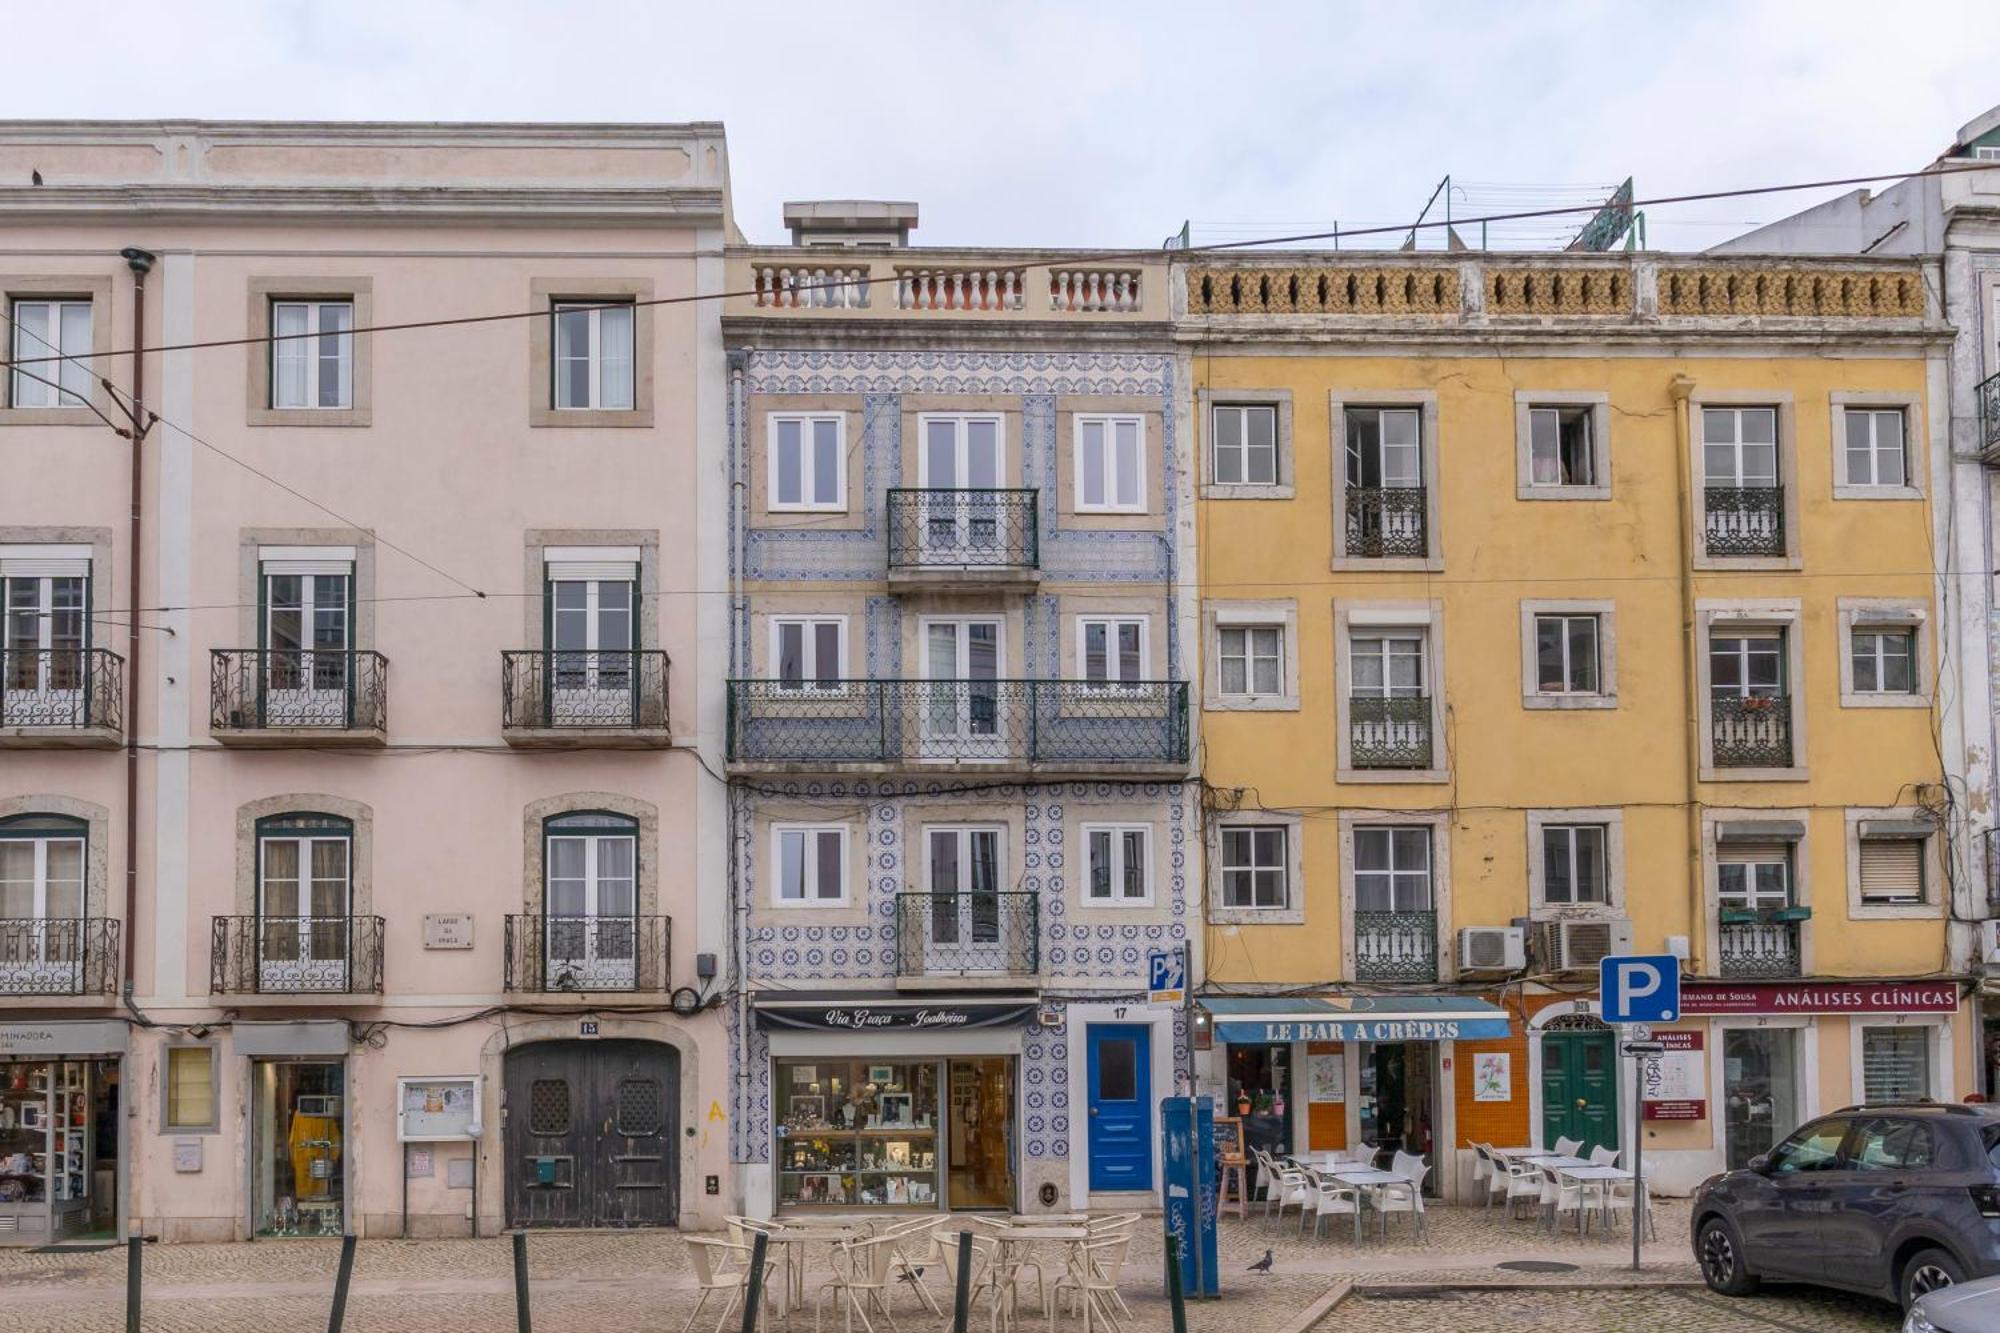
[{"x": 1120, "y": 1110}]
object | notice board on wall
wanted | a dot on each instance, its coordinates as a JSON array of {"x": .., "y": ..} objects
[{"x": 437, "y": 1109}]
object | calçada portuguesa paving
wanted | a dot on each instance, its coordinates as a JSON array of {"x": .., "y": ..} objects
[{"x": 602, "y": 1282}]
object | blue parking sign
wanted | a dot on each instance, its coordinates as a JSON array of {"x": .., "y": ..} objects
[
  {"x": 1166, "y": 976},
  {"x": 1639, "y": 988}
]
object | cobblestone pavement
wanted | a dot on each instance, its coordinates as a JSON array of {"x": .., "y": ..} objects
[{"x": 599, "y": 1282}]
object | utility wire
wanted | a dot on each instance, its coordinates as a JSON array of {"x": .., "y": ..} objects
[{"x": 1059, "y": 261}]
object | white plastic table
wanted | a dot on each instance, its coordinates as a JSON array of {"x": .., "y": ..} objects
[
  {"x": 1371, "y": 1179},
  {"x": 1603, "y": 1177}
]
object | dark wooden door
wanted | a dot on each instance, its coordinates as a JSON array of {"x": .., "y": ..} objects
[{"x": 590, "y": 1137}]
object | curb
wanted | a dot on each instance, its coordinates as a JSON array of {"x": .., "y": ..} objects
[
  {"x": 1578, "y": 1284},
  {"x": 1319, "y": 1309}
]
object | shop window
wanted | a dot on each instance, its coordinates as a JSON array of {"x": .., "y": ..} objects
[
  {"x": 860, "y": 1133},
  {"x": 190, "y": 1088},
  {"x": 46, "y": 1159},
  {"x": 298, "y": 1149},
  {"x": 1895, "y": 1065}
]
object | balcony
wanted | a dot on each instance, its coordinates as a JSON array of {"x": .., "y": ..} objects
[
  {"x": 581, "y": 955},
  {"x": 295, "y": 955},
  {"x": 574, "y": 700},
  {"x": 1395, "y": 946},
  {"x": 61, "y": 698},
  {"x": 945, "y": 283},
  {"x": 1389, "y": 733},
  {"x": 956, "y": 936},
  {"x": 986, "y": 538},
  {"x": 1386, "y": 523},
  {"x": 1744, "y": 520},
  {"x": 994, "y": 724},
  {"x": 1988, "y": 394},
  {"x": 44, "y": 956},
  {"x": 1750, "y": 731},
  {"x": 1758, "y": 949},
  {"x": 284, "y": 697}
]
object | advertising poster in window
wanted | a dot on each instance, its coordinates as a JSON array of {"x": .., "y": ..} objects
[
  {"x": 1675, "y": 1083},
  {"x": 1493, "y": 1077},
  {"x": 433, "y": 1110},
  {"x": 1326, "y": 1078}
]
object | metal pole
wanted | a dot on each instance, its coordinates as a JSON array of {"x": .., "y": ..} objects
[
  {"x": 522, "y": 1322},
  {"x": 405, "y": 1233},
  {"x": 1638, "y": 1156},
  {"x": 1175, "y": 1296},
  {"x": 340, "y": 1282},
  {"x": 961, "y": 1302},
  {"x": 133, "y": 1250},
  {"x": 753, "y": 1297},
  {"x": 475, "y": 1185}
]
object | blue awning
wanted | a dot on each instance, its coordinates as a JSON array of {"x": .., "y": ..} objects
[{"x": 1249, "y": 1018}]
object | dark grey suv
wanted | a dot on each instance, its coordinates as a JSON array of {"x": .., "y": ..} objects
[{"x": 1889, "y": 1200}]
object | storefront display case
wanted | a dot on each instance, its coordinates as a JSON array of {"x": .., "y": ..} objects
[
  {"x": 857, "y": 1133},
  {"x": 45, "y": 1149}
]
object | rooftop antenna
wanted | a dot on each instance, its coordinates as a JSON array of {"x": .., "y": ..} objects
[{"x": 1612, "y": 221}]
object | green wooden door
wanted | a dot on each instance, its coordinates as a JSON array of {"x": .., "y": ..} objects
[{"x": 1579, "y": 1089}]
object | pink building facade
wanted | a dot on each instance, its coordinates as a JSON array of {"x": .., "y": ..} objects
[{"x": 377, "y": 871}]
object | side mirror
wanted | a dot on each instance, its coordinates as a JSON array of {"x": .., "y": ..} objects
[{"x": 1761, "y": 1164}]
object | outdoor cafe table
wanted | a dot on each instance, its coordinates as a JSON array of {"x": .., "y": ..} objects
[
  {"x": 1603, "y": 1177},
  {"x": 1369, "y": 1178},
  {"x": 795, "y": 1238}
]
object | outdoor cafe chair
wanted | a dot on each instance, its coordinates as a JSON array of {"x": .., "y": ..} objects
[
  {"x": 1405, "y": 1195},
  {"x": 1604, "y": 1157},
  {"x": 1561, "y": 1194},
  {"x": 1568, "y": 1147},
  {"x": 905, "y": 1234},
  {"x": 1092, "y": 1278},
  {"x": 862, "y": 1272},
  {"x": 1524, "y": 1181},
  {"x": 1331, "y": 1197},
  {"x": 1294, "y": 1187},
  {"x": 1618, "y": 1198},
  {"x": 722, "y": 1266}
]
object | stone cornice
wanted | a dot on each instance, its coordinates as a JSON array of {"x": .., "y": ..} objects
[{"x": 358, "y": 203}]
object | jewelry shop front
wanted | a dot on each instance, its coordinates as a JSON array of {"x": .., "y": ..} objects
[{"x": 894, "y": 1102}]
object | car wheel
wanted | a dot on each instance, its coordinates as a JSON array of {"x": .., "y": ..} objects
[
  {"x": 1926, "y": 1272},
  {"x": 1722, "y": 1265}
]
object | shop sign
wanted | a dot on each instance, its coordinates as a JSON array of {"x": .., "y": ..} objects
[
  {"x": 1365, "y": 1029},
  {"x": 91, "y": 1036},
  {"x": 1809, "y": 997},
  {"x": 1674, "y": 1083},
  {"x": 893, "y": 1017}
]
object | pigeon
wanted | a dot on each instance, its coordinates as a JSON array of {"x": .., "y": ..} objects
[
  {"x": 35, "y": 176},
  {"x": 913, "y": 1274},
  {"x": 1262, "y": 1265}
]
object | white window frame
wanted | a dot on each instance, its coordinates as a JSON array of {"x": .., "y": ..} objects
[
  {"x": 1612, "y": 821},
  {"x": 1715, "y": 847},
  {"x": 26, "y": 389},
  {"x": 807, "y": 423},
  {"x": 1910, "y": 407},
  {"x": 1250, "y": 657},
  {"x": 1294, "y": 912},
  {"x": 1532, "y": 696},
  {"x": 1869, "y": 614},
  {"x": 1112, "y": 503},
  {"x": 960, "y": 423},
  {"x": 1597, "y": 405},
  {"x": 1429, "y": 445},
  {"x": 1117, "y": 834},
  {"x": 1111, "y": 625},
  {"x": 1569, "y": 660},
  {"x": 1735, "y": 618},
  {"x": 809, "y": 864},
  {"x": 594, "y": 307},
  {"x": 1224, "y": 866},
  {"x": 1865, "y": 823},
  {"x": 315, "y": 312},
  {"x": 1369, "y": 619},
  {"x": 809, "y": 653},
  {"x": 1280, "y": 401},
  {"x": 1439, "y": 823},
  {"x": 1242, "y": 413},
  {"x": 1279, "y": 614},
  {"x": 1781, "y": 403}
]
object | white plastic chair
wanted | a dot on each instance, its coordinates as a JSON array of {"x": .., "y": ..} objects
[
  {"x": 862, "y": 1272},
  {"x": 1092, "y": 1277},
  {"x": 1406, "y": 1164},
  {"x": 1561, "y": 1194},
  {"x": 1524, "y": 1181},
  {"x": 906, "y": 1234},
  {"x": 1405, "y": 1195},
  {"x": 1618, "y": 1199},
  {"x": 1604, "y": 1157},
  {"x": 722, "y": 1266},
  {"x": 1294, "y": 1188},
  {"x": 1568, "y": 1147},
  {"x": 1333, "y": 1198},
  {"x": 1267, "y": 1178}
]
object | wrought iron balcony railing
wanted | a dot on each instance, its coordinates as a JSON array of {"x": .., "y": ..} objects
[
  {"x": 1389, "y": 733},
  {"x": 295, "y": 955},
  {"x": 1744, "y": 520},
  {"x": 1395, "y": 946},
  {"x": 62, "y": 689},
  {"x": 598, "y": 690},
  {"x": 967, "y": 934},
  {"x": 576, "y": 954},
  {"x": 1386, "y": 522},
  {"x": 1753, "y": 731},
  {"x": 282, "y": 689},
  {"x": 58, "y": 956},
  {"x": 1988, "y": 393},
  {"x": 1759, "y": 949},
  {"x": 964, "y": 529},
  {"x": 924, "y": 722}
]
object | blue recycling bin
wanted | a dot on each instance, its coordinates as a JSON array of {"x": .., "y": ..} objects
[{"x": 1187, "y": 1153}]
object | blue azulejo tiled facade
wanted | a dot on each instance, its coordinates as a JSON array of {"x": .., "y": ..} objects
[{"x": 962, "y": 814}]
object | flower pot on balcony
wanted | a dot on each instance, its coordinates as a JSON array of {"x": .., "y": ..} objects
[
  {"x": 1739, "y": 916},
  {"x": 1791, "y": 914}
]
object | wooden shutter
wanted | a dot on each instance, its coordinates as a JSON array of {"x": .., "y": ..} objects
[{"x": 1892, "y": 870}]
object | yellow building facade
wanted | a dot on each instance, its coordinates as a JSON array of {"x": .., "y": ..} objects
[{"x": 1559, "y": 606}]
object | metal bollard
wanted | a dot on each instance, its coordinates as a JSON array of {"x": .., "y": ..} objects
[
  {"x": 753, "y": 1298},
  {"x": 961, "y": 1302},
  {"x": 134, "y": 1248},
  {"x": 522, "y": 1321},
  {"x": 1175, "y": 1296},
  {"x": 340, "y": 1282}
]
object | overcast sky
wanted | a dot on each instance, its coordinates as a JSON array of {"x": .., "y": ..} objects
[{"x": 1099, "y": 124}]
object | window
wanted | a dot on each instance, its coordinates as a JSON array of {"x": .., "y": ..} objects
[
  {"x": 307, "y": 633},
  {"x": 1740, "y": 447},
  {"x": 1747, "y": 665},
  {"x": 1110, "y": 464},
  {"x": 1384, "y": 449},
  {"x": 1573, "y": 864},
  {"x": 44, "y": 629},
  {"x": 1392, "y": 870},
  {"x": 1386, "y": 666},
  {"x": 1892, "y": 871},
  {"x": 1561, "y": 451},
  {"x": 1884, "y": 660},
  {"x": 590, "y": 901},
  {"x": 1756, "y": 877},
  {"x": 1252, "y": 660},
  {"x": 1246, "y": 445},
  {"x": 808, "y": 468},
  {"x": 1255, "y": 865},
  {"x": 1566, "y": 654},
  {"x": 1893, "y": 1145},
  {"x": 593, "y": 356},
  {"x": 1120, "y": 863},
  {"x": 1986, "y": 152},
  {"x": 312, "y": 354},
  {"x": 1814, "y": 1148},
  {"x": 51, "y": 328},
  {"x": 304, "y": 895},
  {"x": 41, "y": 879},
  {"x": 811, "y": 864},
  {"x": 1875, "y": 451},
  {"x": 808, "y": 652},
  {"x": 1895, "y": 1065},
  {"x": 190, "y": 1088},
  {"x": 1112, "y": 649}
]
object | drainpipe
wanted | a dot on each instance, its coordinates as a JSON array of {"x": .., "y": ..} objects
[
  {"x": 141, "y": 263},
  {"x": 1680, "y": 388}
]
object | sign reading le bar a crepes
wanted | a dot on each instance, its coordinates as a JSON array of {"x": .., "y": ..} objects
[{"x": 891, "y": 1017}]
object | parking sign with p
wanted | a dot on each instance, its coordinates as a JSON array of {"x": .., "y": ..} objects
[{"x": 1639, "y": 988}]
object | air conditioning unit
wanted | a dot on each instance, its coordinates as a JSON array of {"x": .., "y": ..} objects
[
  {"x": 1576, "y": 946},
  {"x": 1989, "y": 943},
  {"x": 1492, "y": 949}
]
